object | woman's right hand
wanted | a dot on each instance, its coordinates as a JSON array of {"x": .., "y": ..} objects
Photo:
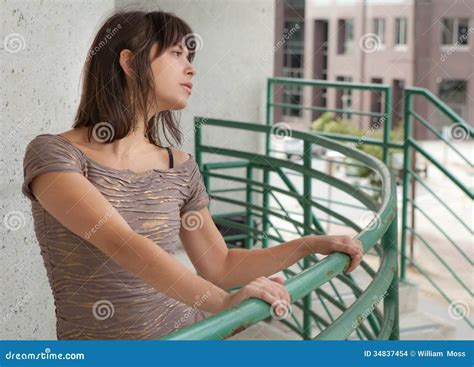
[{"x": 270, "y": 290}]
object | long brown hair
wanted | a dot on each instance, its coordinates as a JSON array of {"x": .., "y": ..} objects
[{"x": 106, "y": 96}]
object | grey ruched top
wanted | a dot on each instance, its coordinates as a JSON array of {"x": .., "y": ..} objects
[{"x": 95, "y": 298}]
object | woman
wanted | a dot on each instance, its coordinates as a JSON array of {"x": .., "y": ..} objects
[{"x": 109, "y": 201}]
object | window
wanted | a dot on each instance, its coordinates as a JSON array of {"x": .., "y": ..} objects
[
  {"x": 400, "y": 31},
  {"x": 454, "y": 93},
  {"x": 293, "y": 66},
  {"x": 379, "y": 30},
  {"x": 455, "y": 31},
  {"x": 345, "y": 35}
]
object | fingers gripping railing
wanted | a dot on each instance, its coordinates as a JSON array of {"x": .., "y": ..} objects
[{"x": 315, "y": 273}]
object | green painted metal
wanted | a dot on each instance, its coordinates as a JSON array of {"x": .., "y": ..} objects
[
  {"x": 308, "y": 216},
  {"x": 373, "y": 87},
  {"x": 248, "y": 216},
  {"x": 387, "y": 126},
  {"x": 440, "y": 201},
  {"x": 417, "y": 147},
  {"x": 314, "y": 273},
  {"x": 270, "y": 104},
  {"x": 381, "y": 235},
  {"x": 411, "y": 149},
  {"x": 407, "y": 133}
]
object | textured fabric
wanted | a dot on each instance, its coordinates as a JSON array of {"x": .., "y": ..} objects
[{"x": 95, "y": 298}]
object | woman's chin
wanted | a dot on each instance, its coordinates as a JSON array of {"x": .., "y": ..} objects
[{"x": 180, "y": 104}]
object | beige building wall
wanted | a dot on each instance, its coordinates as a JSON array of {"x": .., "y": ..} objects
[{"x": 422, "y": 62}]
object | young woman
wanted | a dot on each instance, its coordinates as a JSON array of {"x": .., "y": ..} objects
[{"x": 109, "y": 201}]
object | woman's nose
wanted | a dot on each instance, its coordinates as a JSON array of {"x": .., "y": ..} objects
[{"x": 191, "y": 71}]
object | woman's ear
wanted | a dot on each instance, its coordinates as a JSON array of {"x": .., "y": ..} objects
[{"x": 125, "y": 59}]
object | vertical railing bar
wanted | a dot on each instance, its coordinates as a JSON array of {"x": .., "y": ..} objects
[
  {"x": 248, "y": 215},
  {"x": 387, "y": 123},
  {"x": 408, "y": 104},
  {"x": 266, "y": 173},
  {"x": 306, "y": 201}
]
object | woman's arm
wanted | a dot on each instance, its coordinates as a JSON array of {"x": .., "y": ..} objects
[
  {"x": 226, "y": 268},
  {"x": 80, "y": 207},
  {"x": 242, "y": 266}
]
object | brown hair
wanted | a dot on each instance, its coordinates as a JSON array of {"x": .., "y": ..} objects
[{"x": 105, "y": 95}]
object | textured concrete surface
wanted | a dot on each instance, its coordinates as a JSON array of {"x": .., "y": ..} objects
[{"x": 44, "y": 45}]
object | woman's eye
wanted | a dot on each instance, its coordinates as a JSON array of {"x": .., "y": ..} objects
[{"x": 177, "y": 52}]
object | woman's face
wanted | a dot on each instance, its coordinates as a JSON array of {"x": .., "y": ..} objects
[{"x": 172, "y": 71}]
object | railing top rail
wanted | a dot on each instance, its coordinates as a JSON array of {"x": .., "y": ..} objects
[
  {"x": 325, "y": 83},
  {"x": 439, "y": 104},
  {"x": 251, "y": 311}
]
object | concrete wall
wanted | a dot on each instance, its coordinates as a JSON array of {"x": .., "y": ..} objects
[
  {"x": 40, "y": 69},
  {"x": 40, "y": 91},
  {"x": 232, "y": 67}
]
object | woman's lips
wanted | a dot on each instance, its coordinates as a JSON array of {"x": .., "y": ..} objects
[{"x": 187, "y": 88}]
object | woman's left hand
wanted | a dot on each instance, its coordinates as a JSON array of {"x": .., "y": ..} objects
[{"x": 326, "y": 245}]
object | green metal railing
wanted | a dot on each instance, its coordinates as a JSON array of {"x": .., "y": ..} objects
[
  {"x": 319, "y": 289},
  {"x": 385, "y": 116},
  {"x": 321, "y": 279},
  {"x": 413, "y": 149}
]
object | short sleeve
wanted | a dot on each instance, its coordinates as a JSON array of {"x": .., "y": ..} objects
[
  {"x": 48, "y": 153},
  {"x": 198, "y": 197}
]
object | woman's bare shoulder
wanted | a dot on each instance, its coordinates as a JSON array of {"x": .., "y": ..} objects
[{"x": 77, "y": 135}]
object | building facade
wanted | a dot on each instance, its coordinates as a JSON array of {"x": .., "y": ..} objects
[{"x": 423, "y": 43}]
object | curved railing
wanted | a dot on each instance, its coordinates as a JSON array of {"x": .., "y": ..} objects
[{"x": 322, "y": 279}]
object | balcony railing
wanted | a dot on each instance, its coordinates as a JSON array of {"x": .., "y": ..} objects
[{"x": 363, "y": 318}]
